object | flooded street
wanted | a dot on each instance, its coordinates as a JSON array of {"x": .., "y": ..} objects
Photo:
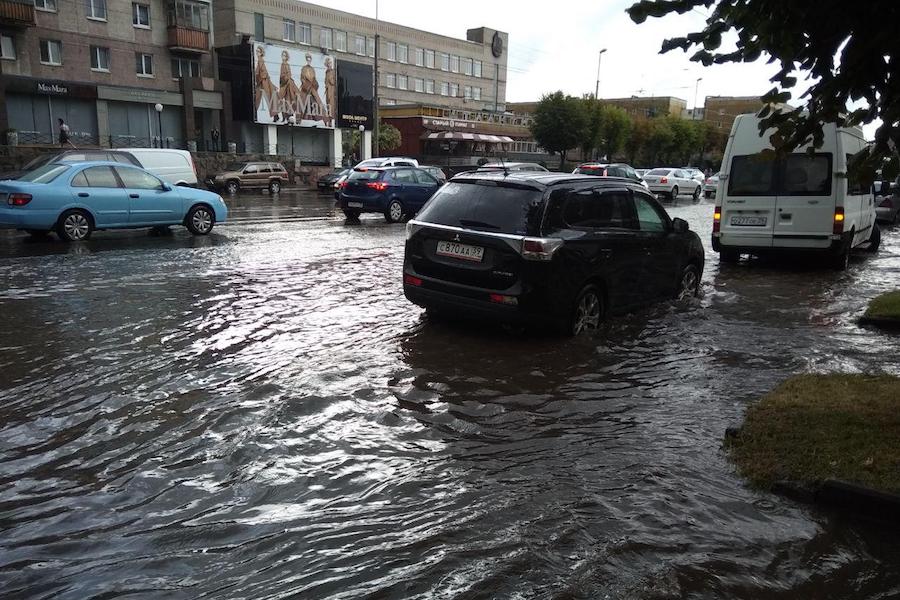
[{"x": 261, "y": 414}]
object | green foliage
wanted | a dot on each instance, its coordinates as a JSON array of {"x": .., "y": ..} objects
[
  {"x": 388, "y": 137},
  {"x": 558, "y": 123},
  {"x": 846, "y": 50},
  {"x": 885, "y": 306},
  {"x": 615, "y": 126}
]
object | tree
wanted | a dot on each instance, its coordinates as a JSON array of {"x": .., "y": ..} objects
[
  {"x": 558, "y": 124},
  {"x": 848, "y": 51},
  {"x": 615, "y": 125},
  {"x": 388, "y": 137},
  {"x": 590, "y": 139}
]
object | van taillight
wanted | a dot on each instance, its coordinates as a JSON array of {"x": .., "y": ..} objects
[
  {"x": 838, "y": 220},
  {"x": 18, "y": 199},
  {"x": 664, "y": 180},
  {"x": 717, "y": 219},
  {"x": 540, "y": 248}
]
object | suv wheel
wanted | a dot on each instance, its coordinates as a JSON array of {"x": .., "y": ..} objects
[
  {"x": 689, "y": 284},
  {"x": 274, "y": 186},
  {"x": 233, "y": 186},
  {"x": 587, "y": 312},
  {"x": 394, "y": 212},
  {"x": 674, "y": 194}
]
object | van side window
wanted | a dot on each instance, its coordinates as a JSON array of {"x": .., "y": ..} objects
[
  {"x": 855, "y": 185},
  {"x": 752, "y": 175},
  {"x": 595, "y": 209},
  {"x": 805, "y": 175}
]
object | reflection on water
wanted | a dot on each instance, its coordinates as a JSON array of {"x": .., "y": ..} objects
[{"x": 261, "y": 414}]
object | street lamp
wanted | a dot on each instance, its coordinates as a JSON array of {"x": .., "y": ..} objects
[
  {"x": 292, "y": 120},
  {"x": 597, "y": 89},
  {"x": 696, "y": 87},
  {"x": 362, "y": 133},
  {"x": 159, "y": 108}
]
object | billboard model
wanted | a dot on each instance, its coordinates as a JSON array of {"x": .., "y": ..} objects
[{"x": 306, "y": 86}]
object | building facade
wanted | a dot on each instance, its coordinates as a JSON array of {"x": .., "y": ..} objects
[
  {"x": 721, "y": 111},
  {"x": 104, "y": 66}
]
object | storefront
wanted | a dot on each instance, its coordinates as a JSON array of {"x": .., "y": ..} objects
[{"x": 34, "y": 105}]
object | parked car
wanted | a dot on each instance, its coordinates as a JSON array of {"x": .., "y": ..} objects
[
  {"x": 887, "y": 200},
  {"x": 327, "y": 181},
  {"x": 799, "y": 202},
  {"x": 641, "y": 172},
  {"x": 71, "y": 156},
  {"x": 710, "y": 185},
  {"x": 695, "y": 173},
  {"x": 396, "y": 192},
  {"x": 387, "y": 161},
  {"x": 515, "y": 166},
  {"x": 250, "y": 175},
  {"x": 566, "y": 250},
  {"x": 340, "y": 183},
  {"x": 174, "y": 166},
  {"x": 436, "y": 172},
  {"x": 670, "y": 183},
  {"x": 609, "y": 170},
  {"x": 75, "y": 199}
]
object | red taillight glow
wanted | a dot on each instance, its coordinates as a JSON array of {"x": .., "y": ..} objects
[
  {"x": 664, "y": 180},
  {"x": 501, "y": 299},
  {"x": 717, "y": 219},
  {"x": 377, "y": 185},
  {"x": 18, "y": 199},
  {"x": 838, "y": 220},
  {"x": 342, "y": 184},
  {"x": 410, "y": 280},
  {"x": 540, "y": 248}
]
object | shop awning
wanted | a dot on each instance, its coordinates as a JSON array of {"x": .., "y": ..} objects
[{"x": 460, "y": 136}]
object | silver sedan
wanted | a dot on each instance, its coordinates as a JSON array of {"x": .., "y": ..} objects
[{"x": 671, "y": 183}]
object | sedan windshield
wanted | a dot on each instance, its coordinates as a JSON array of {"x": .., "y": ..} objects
[{"x": 44, "y": 174}]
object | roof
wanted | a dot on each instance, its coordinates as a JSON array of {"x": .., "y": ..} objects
[{"x": 538, "y": 179}]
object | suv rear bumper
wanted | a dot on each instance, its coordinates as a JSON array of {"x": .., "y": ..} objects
[{"x": 462, "y": 306}]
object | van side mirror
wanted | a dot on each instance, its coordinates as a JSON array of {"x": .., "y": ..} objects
[{"x": 679, "y": 225}]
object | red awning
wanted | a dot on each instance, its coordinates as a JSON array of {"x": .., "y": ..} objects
[{"x": 459, "y": 136}]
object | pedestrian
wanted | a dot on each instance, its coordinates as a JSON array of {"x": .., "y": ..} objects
[
  {"x": 215, "y": 139},
  {"x": 64, "y": 134}
]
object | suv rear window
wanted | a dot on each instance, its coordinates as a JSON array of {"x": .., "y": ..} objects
[
  {"x": 364, "y": 175},
  {"x": 486, "y": 206}
]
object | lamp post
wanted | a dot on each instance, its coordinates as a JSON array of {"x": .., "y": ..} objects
[
  {"x": 597, "y": 88},
  {"x": 696, "y": 87},
  {"x": 362, "y": 134},
  {"x": 375, "y": 103},
  {"x": 159, "y": 108},
  {"x": 292, "y": 120}
]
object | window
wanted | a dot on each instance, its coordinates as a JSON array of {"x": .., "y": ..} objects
[
  {"x": 45, "y": 5},
  {"x": 806, "y": 175},
  {"x": 404, "y": 176},
  {"x": 325, "y": 38},
  {"x": 99, "y": 58},
  {"x": 370, "y": 46},
  {"x": 185, "y": 67},
  {"x": 454, "y": 89},
  {"x": 648, "y": 217},
  {"x": 304, "y": 33},
  {"x": 390, "y": 80},
  {"x": 502, "y": 209},
  {"x": 138, "y": 180},
  {"x": 96, "y": 9},
  {"x": 140, "y": 15},
  {"x": 444, "y": 61},
  {"x": 856, "y": 185},
  {"x": 476, "y": 93},
  {"x": 445, "y": 88},
  {"x": 360, "y": 44},
  {"x": 195, "y": 15},
  {"x": 429, "y": 86},
  {"x": 96, "y": 177},
  {"x": 419, "y": 84},
  {"x": 429, "y": 59},
  {"x": 144, "y": 64},
  {"x": 420, "y": 57},
  {"x": 51, "y": 52},
  {"x": 467, "y": 66},
  {"x": 403, "y": 53},
  {"x": 259, "y": 26},
  {"x": 392, "y": 51},
  {"x": 251, "y": 169},
  {"x": 454, "y": 63},
  {"x": 402, "y": 82},
  {"x": 590, "y": 209},
  {"x": 7, "y": 47},
  {"x": 476, "y": 68},
  {"x": 340, "y": 41},
  {"x": 751, "y": 175},
  {"x": 290, "y": 31},
  {"x": 424, "y": 178},
  {"x": 468, "y": 91}
]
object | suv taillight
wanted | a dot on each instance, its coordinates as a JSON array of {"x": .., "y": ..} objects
[
  {"x": 540, "y": 248},
  {"x": 18, "y": 199}
]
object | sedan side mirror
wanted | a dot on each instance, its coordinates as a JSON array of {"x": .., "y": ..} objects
[
  {"x": 679, "y": 225},
  {"x": 165, "y": 187}
]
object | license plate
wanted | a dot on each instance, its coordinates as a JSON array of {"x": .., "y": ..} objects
[
  {"x": 748, "y": 221},
  {"x": 354, "y": 204},
  {"x": 463, "y": 251}
]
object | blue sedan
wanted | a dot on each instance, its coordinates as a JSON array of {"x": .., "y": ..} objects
[{"x": 75, "y": 199}]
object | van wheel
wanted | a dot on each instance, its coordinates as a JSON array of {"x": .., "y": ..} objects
[
  {"x": 274, "y": 186},
  {"x": 394, "y": 212},
  {"x": 74, "y": 225},
  {"x": 689, "y": 284},
  {"x": 674, "y": 194},
  {"x": 233, "y": 187},
  {"x": 841, "y": 260},
  {"x": 874, "y": 239},
  {"x": 729, "y": 256},
  {"x": 587, "y": 313}
]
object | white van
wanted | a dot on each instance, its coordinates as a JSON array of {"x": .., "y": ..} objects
[
  {"x": 801, "y": 202},
  {"x": 174, "y": 166}
]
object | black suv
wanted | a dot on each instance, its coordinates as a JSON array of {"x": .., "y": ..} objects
[{"x": 561, "y": 249}]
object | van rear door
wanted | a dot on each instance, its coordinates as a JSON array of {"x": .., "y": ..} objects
[
  {"x": 748, "y": 205},
  {"x": 805, "y": 202}
]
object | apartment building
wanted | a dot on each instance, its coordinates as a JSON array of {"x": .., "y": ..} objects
[{"x": 105, "y": 67}]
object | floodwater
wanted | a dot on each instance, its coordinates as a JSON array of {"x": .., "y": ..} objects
[{"x": 261, "y": 414}]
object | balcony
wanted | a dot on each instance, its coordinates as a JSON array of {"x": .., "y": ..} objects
[
  {"x": 16, "y": 13},
  {"x": 186, "y": 39}
]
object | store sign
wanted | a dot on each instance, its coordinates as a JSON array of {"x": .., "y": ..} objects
[
  {"x": 447, "y": 123},
  {"x": 293, "y": 86},
  {"x": 355, "y": 101},
  {"x": 28, "y": 85}
]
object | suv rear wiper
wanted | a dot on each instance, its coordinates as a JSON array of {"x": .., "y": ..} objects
[{"x": 481, "y": 224}]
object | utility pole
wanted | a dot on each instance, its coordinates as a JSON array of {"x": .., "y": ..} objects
[
  {"x": 375, "y": 103},
  {"x": 597, "y": 88}
]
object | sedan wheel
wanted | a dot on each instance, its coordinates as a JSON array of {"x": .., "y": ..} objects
[
  {"x": 697, "y": 194},
  {"x": 588, "y": 311},
  {"x": 74, "y": 226},
  {"x": 689, "y": 285},
  {"x": 200, "y": 220},
  {"x": 394, "y": 212},
  {"x": 674, "y": 193}
]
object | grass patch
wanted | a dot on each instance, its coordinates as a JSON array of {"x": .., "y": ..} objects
[
  {"x": 815, "y": 427},
  {"x": 885, "y": 306}
]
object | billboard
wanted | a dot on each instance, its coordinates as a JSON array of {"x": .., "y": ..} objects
[
  {"x": 355, "y": 91},
  {"x": 294, "y": 82}
]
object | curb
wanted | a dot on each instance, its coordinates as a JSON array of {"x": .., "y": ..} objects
[
  {"x": 845, "y": 496},
  {"x": 887, "y": 323}
]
